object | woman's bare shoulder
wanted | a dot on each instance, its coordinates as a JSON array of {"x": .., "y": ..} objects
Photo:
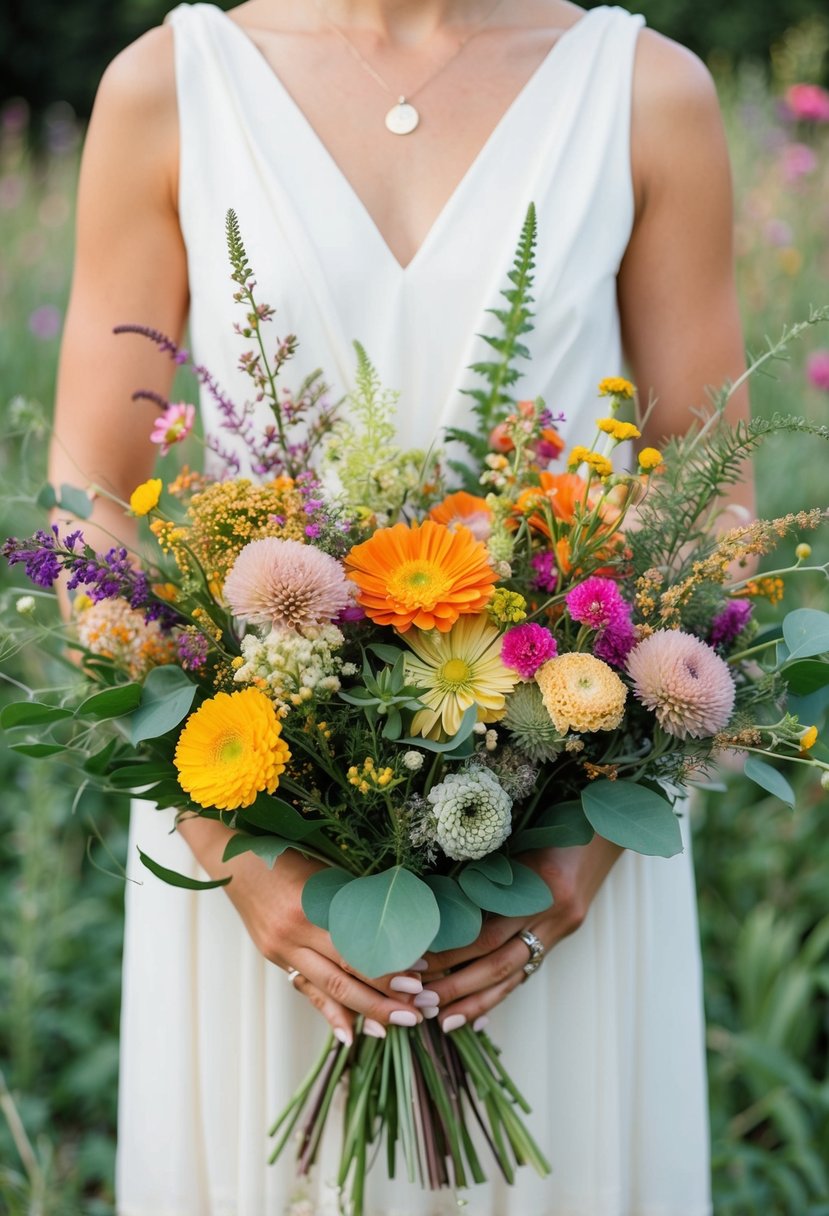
[{"x": 140, "y": 81}]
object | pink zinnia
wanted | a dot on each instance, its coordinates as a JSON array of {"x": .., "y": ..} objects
[
  {"x": 526, "y": 648},
  {"x": 175, "y": 424},
  {"x": 596, "y": 602},
  {"x": 808, "y": 102},
  {"x": 285, "y": 584},
  {"x": 687, "y": 685},
  {"x": 817, "y": 370}
]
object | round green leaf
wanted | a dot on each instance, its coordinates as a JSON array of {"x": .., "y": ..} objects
[
  {"x": 318, "y": 892},
  {"x": 165, "y": 700},
  {"x": 559, "y": 827},
  {"x": 769, "y": 779},
  {"x": 806, "y": 676},
  {"x": 460, "y": 918},
  {"x": 269, "y": 848},
  {"x": 632, "y": 816},
  {"x": 495, "y": 867},
  {"x": 384, "y": 922},
  {"x": 806, "y": 632},
  {"x": 526, "y": 894}
]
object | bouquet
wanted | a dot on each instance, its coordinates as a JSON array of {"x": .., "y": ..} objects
[{"x": 415, "y": 668}]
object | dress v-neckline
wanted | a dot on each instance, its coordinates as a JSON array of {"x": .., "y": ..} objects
[{"x": 441, "y": 218}]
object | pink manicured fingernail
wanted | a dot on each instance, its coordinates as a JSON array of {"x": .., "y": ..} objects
[
  {"x": 405, "y": 983},
  {"x": 345, "y": 1036},
  {"x": 403, "y": 1017},
  {"x": 480, "y": 1022},
  {"x": 453, "y": 1022},
  {"x": 419, "y": 965},
  {"x": 426, "y": 998},
  {"x": 431, "y": 1011},
  {"x": 373, "y": 1029}
]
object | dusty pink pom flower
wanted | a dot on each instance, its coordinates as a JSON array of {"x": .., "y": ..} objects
[
  {"x": 173, "y": 425},
  {"x": 797, "y": 160},
  {"x": 808, "y": 102},
  {"x": 817, "y": 370},
  {"x": 685, "y": 683},
  {"x": 596, "y": 602},
  {"x": 526, "y": 647},
  {"x": 285, "y": 584}
]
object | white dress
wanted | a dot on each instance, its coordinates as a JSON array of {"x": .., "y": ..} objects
[{"x": 607, "y": 1039}]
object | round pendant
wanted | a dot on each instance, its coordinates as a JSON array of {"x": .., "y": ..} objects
[{"x": 402, "y": 118}]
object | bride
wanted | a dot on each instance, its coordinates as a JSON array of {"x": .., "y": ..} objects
[{"x": 381, "y": 155}]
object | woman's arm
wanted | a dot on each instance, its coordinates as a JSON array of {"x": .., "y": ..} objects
[
  {"x": 682, "y": 334},
  {"x": 131, "y": 267}
]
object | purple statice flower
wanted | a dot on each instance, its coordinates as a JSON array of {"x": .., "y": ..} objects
[
  {"x": 596, "y": 602},
  {"x": 527, "y": 647},
  {"x": 730, "y": 623},
  {"x": 191, "y": 649},
  {"x": 546, "y": 574}
]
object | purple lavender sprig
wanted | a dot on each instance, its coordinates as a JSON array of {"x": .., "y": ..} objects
[{"x": 104, "y": 576}]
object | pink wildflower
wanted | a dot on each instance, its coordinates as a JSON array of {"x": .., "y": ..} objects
[
  {"x": 687, "y": 685},
  {"x": 798, "y": 160},
  {"x": 174, "y": 425},
  {"x": 285, "y": 584},
  {"x": 817, "y": 370},
  {"x": 526, "y": 648},
  {"x": 546, "y": 574},
  {"x": 808, "y": 103},
  {"x": 596, "y": 602}
]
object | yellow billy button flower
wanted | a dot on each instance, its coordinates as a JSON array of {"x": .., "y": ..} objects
[
  {"x": 650, "y": 458},
  {"x": 144, "y": 498},
  {"x": 507, "y": 607},
  {"x": 578, "y": 456},
  {"x": 600, "y": 465},
  {"x": 618, "y": 430},
  {"x": 808, "y": 739},
  {"x": 803, "y": 552},
  {"x": 616, "y": 386}
]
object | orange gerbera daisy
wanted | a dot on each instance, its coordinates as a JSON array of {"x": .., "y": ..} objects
[
  {"x": 467, "y": 509},
  {"x": 426, "y": 575}
]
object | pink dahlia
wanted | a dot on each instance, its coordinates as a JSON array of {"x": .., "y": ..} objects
[
  {"x": 687, "y": 685},
  {"x": 285, "y": 584},
  {"x": 526, "y": 647},
  {"x": 174, "y": 425},
  {"x": 817, "y": 370},
  {"x": 596, "y": 602},
  {"x": 808, "y": 103}
]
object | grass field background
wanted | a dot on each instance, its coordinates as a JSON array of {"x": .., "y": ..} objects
[{"x": 762, "y": 871}]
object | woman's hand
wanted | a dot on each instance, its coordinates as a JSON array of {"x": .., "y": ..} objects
[
  {"x": 269, "y": 902},
  {"x": 482, "y": 974}
]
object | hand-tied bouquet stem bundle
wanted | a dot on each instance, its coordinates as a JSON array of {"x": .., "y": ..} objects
[{"x": 422, "y": 675}]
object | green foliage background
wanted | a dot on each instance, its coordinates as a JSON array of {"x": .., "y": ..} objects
[
  {"x": 52, "y": 51},
  {"x": 761, "y": 870}
]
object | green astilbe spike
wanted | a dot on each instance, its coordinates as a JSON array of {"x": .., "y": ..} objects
[
  {"x": 236, "y": 249},
  {"x": 492, "y": 404}
]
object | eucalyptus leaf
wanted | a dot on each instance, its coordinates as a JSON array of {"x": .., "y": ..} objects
[
  {"x": 811, "y": 709},
  {"x": 165, "y": 700},
  {"x": 460, "y": 918},
  {"x": 180, "y": 880},
  {"x": 111, "y": 703},
  {"x": 31, "y": 713},
  {"x": 632, "y": 816},
  {"x": 559, "y": 827},
  {"x": 495, "y": 867},
  {"x": 75, "y": 501},
  {"x": 806, "y": 676},
  {"x": 269, "y": 848},
  {"x": 47, "y": 498},
  {"x": 383, "y": 922},
  {"x": 769, "y": 779},
  {"x": 318, "y": 892},
  {"x": 806, "y": 632},
  {"x": 526, "y": 894}
]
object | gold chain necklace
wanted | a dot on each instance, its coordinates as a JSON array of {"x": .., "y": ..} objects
[{"x": 402, "y": 118}]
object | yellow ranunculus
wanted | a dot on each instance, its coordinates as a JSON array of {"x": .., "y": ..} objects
[{"x": 145, "y": 497}]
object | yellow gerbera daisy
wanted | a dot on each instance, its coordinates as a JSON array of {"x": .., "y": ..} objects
[
  {"x": 231, "y": 749},
  {"x": 455, "y": 670}
]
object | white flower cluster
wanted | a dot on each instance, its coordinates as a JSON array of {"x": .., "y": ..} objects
[
  {"x": 472, "y": 814},
  {"x": 292, "y": 668}
]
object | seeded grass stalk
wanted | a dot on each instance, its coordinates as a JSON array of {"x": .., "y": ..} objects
[{"x": 420, "y": 1088}]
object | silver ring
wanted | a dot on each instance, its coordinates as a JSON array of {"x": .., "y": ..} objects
[
  {"x": 293, "y": 975},
  {"x": 536, "y": 948}
]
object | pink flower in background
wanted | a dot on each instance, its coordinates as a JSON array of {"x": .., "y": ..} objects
[
  {"x": 808, "y": 103},
  {"x": 175, "y": 424},
  {"x": 686, "y": 683},
  {"x": 778, "y": 232},
  {"x": 797, "y": 160},
  {"x": 546, "y": 574},
  {"x": 45, "y": 322},
  {"x": 526, "y": 648},
  {"x": 817, "y": 370},
  {"x": 287, "y": 585}
]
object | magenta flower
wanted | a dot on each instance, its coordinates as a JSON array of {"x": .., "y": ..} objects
[
  {"x": 526, "y": 648},
  {"x": 817, "y": 370},
  {"x": 596, "y": 603},
  {"x": 288, "y": 585},
  {"x": 615, "y": 642},
  {"x": 730, "y": 623},
  {"x": 686, "y": 683},
  {"x": 798, "y": 160},
  {"x": 808, "y": 103},
  {"x": 174, "y": 425},
  {"x": 546, "y": 574}
]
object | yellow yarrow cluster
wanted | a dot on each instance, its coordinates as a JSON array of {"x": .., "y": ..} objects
[
  {"x": 616, "y": 386},
  {"x": 507, "y": 607},
  {"x": 114, "y": 630},
  {"x": 369, "y": 777},
  {"x": 619, "y": 431},
  {"x": 231, "y": 750},
  {"x": 228, "y": 515},
  {"x": 581, "y": 693},
  {"x": 771, "y": 589}
]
